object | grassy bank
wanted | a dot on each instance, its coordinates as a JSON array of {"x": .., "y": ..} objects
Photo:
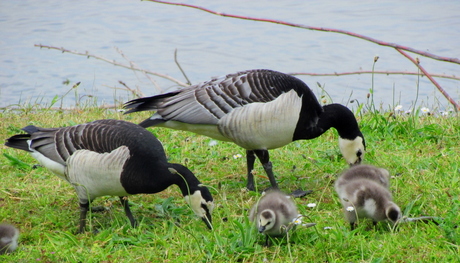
[{"x": 421, "y": 152}]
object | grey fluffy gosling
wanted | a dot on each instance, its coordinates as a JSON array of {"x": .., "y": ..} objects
[
  {"x": 112, "y": 157},
  {"x": 273, "y": 214},
  {"x": 364, "y": 193},
  {"x": 8, "y": 238},
  {"x": 258, "y": 110}
]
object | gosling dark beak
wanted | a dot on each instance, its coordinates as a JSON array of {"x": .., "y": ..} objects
[
  {"x": 261, "y": 229},
  {"x": 356, "y": 163},
  {"x": 207, "y": 220}
]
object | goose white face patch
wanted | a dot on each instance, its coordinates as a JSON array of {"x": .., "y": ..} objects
[
  {"x": 352, "y": 150},
  {"x": 267, "y": 219},
  {"x": 195, "y": 201}
]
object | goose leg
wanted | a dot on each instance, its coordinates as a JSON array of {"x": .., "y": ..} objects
[
  {"x": 124, "y": 202},
  {"x": 83, "y": 211},
  {"x": 264, "y": 158},
  {"x": 352, "y": 226},
  {"x": 250, "y": 159}
]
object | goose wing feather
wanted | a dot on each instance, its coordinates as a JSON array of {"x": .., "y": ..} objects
[
  {"x": 58, "y": 144},
  {"x": 208, "y": 102}
]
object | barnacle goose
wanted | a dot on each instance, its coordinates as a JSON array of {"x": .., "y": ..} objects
[
  {"x": 258, "y": 110},
  {"x": 274, "y": 214},
  {"x": 273, "y": 210},
  {"x": 111, "y": 157},
  {"x": 8, "y": 238},
  {"x": 364, "y": 193}
]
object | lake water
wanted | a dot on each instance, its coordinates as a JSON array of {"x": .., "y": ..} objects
[{"x": 148, "y": 34}]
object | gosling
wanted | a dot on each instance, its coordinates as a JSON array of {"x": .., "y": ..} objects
[
  {"x": 274, "y": 214},
  {"x": 376, "y": 174},
  {"x": 364, "y": 193},
  {"x": 8, "y": 238}
]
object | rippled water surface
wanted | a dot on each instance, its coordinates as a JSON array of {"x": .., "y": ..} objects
[{"x": 148, "y": 33}]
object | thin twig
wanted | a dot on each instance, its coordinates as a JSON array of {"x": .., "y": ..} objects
[
  {"x": 113, "y": 62},
  {"x": 181, "y": 70},
  {"x": 323, "y": 29},
  {"x": 417, "y": 63},
  {"x": 291, "y": 73},
  {"x": 135, "y": 92},
  {"x": 134, "y": 66},
  {"x": 370, "y": 72}
]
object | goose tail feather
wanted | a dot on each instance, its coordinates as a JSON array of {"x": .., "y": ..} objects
[
  {"x": 147, "y": 103},
  {"x": 19, "y": 142}
]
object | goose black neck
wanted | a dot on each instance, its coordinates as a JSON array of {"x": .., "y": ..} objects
[
  {"x": 185, "y": 179},
  {"x": 332, "y": 116},
  {"x": 140, "y": 178},
  {"x": 342, "y": 119}
]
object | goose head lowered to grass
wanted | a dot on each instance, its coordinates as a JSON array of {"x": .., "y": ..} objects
[
  {"x": 273, "y": 213},
  {"x": 111, "y": 157},
  {"x": 258, "y": 110}
]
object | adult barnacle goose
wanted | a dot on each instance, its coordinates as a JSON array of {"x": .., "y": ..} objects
[
  {"x": 364, "y": 193},
  {"x": 258, "y": 110},
  {"x": 111, "y": 157}
]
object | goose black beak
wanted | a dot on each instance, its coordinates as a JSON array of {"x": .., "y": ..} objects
[
  {"x": 356, "y": 163},
  {"x": 261, "y": 229},
  {"x": 207, "y": 219}
]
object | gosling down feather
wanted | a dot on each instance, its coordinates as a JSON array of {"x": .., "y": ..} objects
[
  {"x": 274, "y": 214},
  {"x": 364, "y": 193},
  {"x": 8, "y": 238},
  {"x": 258, "y": 110},
  {"x": 111, "y": 157}
]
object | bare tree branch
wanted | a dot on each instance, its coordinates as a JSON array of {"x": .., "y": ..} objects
[
  {"x": 417, "y": 63},
  {"x": 113, "y": 62},
  {"x": 324, "y": 29},
  {"x": 372, "y": 72},
  {"x": 134, "y": 66},
  {"x": 179, "y": 66}
]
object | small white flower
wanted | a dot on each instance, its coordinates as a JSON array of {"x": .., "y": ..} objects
[
  {"x": 297, "y": 220},
  {"x": 408, "y": 112},
  {"x": 398, "y": 108},
  {"x": 311, "y": 205},
  {"x": 327, "y": 227},
  {"x": 444, "y": 113},
  {"x": 350, "y": 209},
  {"x": 212, "y": 143},
  {"x": 236, "y": 156},
  {"x": 425, "y": 110}
]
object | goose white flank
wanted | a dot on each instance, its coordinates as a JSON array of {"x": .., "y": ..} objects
[{"x": 111, "y": 157}]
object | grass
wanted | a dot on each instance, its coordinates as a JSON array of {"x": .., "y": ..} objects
[{"x": 421, "y": 152}]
